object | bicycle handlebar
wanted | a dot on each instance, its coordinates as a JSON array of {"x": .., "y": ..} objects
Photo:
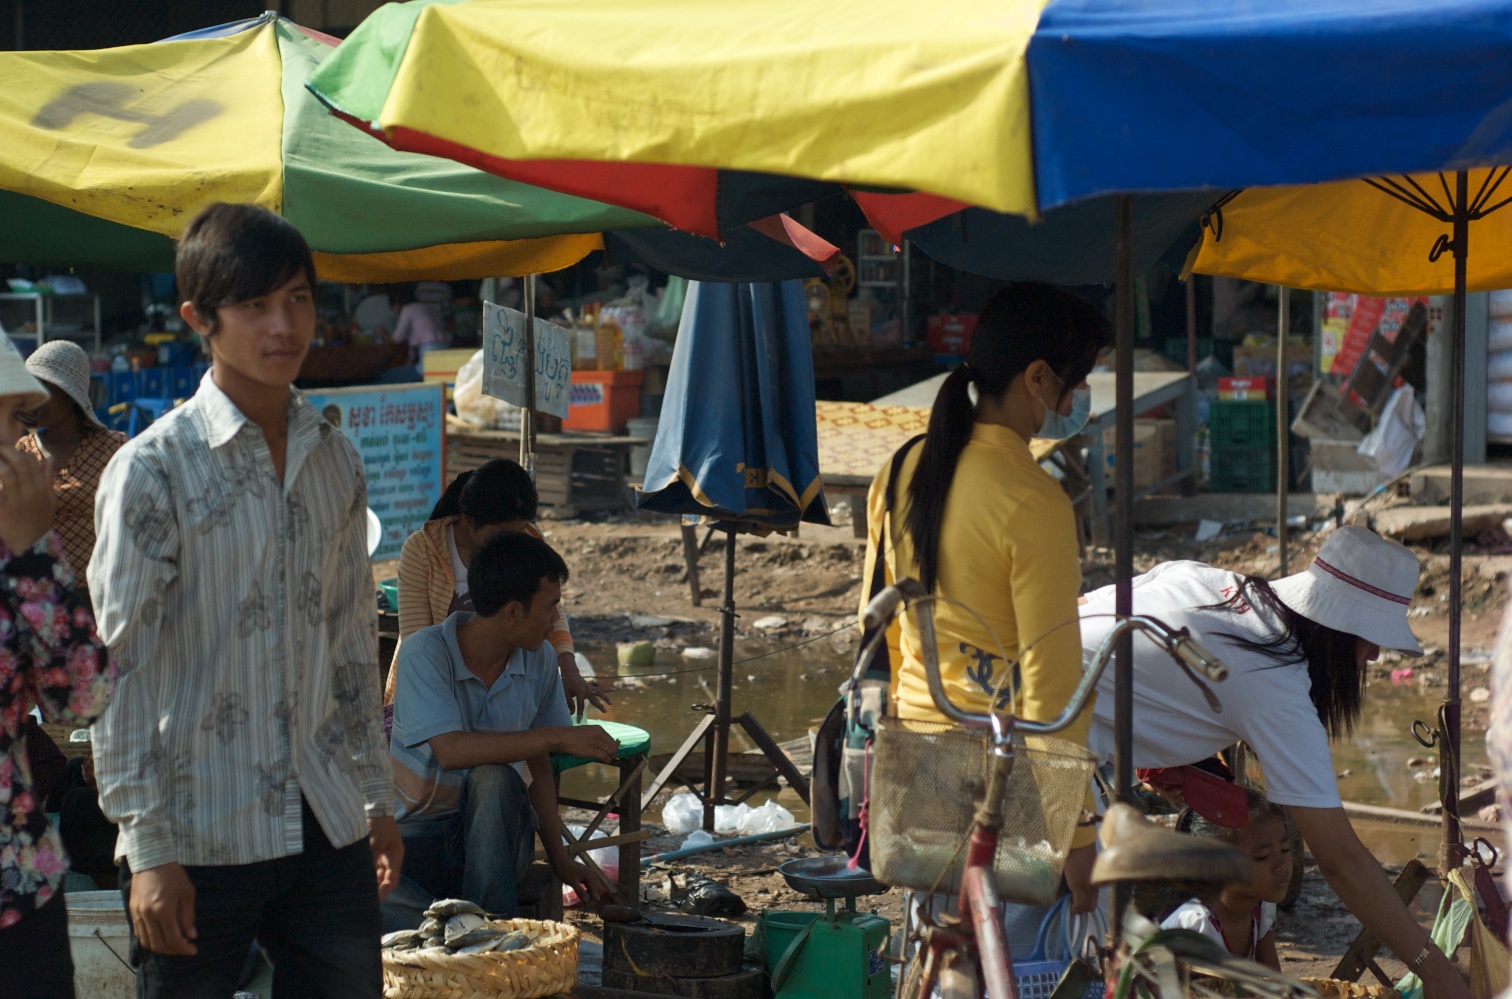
[{"x": 1186, "y": 650}]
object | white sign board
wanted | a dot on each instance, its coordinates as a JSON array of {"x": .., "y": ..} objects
[{"x": 504, "y": 360}]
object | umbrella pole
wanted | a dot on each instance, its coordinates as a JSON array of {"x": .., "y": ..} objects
[
  {"x": 1283, "y": 424},
  {"x": 719, "y": 734},
  {"x": 1452, "y": 851},
  {"x": 1123, "y": 495},
  {"x": 527, "y": 412}
]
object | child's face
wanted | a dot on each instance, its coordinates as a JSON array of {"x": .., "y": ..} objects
[{"x": 1267, "y": 846}]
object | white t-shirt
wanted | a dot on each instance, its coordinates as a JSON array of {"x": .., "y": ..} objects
[
  {"x": 1196, "y": 916},
  {"x": 1265, "y": 704},
  {"x": 459, "y": 568}
]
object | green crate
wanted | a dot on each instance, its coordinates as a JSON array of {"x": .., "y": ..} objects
[
  {"x": 1248, "y": 425},
  {"x": 1242, "y": 470}
]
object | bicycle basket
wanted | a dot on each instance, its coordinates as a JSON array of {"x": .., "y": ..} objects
[{"x": 925, "y": 781}]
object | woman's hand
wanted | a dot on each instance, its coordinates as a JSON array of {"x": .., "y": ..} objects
[
  {"x": 1079, "y": 879},
  {"x": 26, "y": 499},
  {"x": 580, "y": 692}
]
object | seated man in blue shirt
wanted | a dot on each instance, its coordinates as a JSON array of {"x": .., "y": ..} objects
[{"x": 477, "y": 702}]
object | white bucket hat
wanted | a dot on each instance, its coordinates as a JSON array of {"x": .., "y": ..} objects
[
  {"x": 64, "y": 364},
  {"x": 15, "y": 379},
  {"x": 1360, "y": 584}
]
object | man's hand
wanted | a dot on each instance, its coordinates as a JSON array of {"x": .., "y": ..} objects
[
  {"x": 162, "y": 909},
  {"x": 584, "y": 880},
  {"x": 388, "y": 852},
  {"x": 589, "y": 741},
  {"x": 580, "y": 692},
  {"x": 26, "y": 499},
  {"x": 1079, "y": 878}
]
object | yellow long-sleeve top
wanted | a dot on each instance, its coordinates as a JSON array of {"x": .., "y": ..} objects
[{"x": 1008, "y": 550}]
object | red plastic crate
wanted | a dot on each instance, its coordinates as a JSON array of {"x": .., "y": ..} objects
[{"x": 602, "y": 400}]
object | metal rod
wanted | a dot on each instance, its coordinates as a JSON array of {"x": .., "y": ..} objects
[
  {"x": 720, "y": 733},
  {"x": 1191, "y": 320},
  {"x": 1283, "y": 423},
  {"x": 1123, "y": 495},
  {"x": 1123, "y": 503},
  {"x": 527, "y": 412},
  {"x": 1452, "y": 851}
]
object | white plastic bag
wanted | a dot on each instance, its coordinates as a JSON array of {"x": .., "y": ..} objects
[
  {"x": 728, "y": 818},
  {"x": 682, "y": 813},
  {"x": 697, "y": 838},
  {"x": 482, "y": 411},
  {"x": 1395, "y": 437},
  {"x": 770, "y": 817}
]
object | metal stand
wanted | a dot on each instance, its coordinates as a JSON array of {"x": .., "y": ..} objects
[{"x": 714, "y": 730}]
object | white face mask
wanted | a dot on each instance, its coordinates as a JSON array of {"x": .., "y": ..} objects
[{"x": 1056, "y": 427}]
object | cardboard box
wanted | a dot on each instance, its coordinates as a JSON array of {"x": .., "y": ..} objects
[
  {"x": 1260, "y": 362},
  {"x": 1148, "y": 457},
  {"x": 1244, "y": 389}
]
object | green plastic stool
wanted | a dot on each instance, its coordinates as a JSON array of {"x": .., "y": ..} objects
[{"x": 630, "y": 761}]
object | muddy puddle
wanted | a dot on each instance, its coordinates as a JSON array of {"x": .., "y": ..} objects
[{"x": 789, "y": 691}]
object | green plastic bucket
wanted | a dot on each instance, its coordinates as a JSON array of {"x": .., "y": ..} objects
[{"x": 780, "y": 929}]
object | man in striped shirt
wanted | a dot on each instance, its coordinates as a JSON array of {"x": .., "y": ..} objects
[{"x": 243, "y": 758}]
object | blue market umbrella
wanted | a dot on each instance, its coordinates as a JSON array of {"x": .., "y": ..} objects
[
  {"x": 737, "y": 439},
  {"x": 737, "y": 444}
]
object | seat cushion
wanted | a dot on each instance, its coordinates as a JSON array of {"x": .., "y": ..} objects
[{"x": 632, "y": 741}]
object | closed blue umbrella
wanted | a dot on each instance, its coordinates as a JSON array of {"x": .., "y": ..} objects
[
  {"x": 737, "y": 445},
  {"x": 737, "y": 439}
]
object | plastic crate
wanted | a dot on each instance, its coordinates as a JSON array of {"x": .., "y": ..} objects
[
  {"x": 1242, "y": 470},
  {"x": 1247, "y": 425}
]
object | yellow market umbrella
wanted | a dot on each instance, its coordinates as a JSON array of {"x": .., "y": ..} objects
[{"x": 105, "y": 155}]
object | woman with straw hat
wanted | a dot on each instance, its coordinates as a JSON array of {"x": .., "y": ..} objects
[
  {"x": 66, "y": 430},
  {"x": 51, "y": 657},
  {"x": 1297, "y": 651}
]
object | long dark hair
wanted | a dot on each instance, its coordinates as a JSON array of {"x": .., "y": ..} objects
[
  {"x": 1333, "y": 666},
  {"x": 1022, "y": 324},
  {"x": 495, "y": 492}
]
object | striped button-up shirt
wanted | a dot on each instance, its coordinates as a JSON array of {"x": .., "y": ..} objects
[{"x": 241, "y": 614}]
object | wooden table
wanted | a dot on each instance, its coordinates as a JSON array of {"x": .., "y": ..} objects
[{"x": 576, "y": 472}]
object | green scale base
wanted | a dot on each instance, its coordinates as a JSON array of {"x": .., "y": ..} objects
[{"x": 827, "y": 955}]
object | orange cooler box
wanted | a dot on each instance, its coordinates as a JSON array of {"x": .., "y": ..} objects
[{"x": 602, "y": 400}]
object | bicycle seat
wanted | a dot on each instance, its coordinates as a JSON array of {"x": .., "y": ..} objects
[{"x": 1136, "y": 849}]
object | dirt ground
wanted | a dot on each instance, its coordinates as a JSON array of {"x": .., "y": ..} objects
[{"x": 629, "y": 582}]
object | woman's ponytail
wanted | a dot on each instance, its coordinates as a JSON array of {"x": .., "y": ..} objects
[{"x": 949, "y": 431}]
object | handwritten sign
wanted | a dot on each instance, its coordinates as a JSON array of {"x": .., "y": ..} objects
[
  {"x": 504, "y": 360},
  {"x": 399, "y": 431}
]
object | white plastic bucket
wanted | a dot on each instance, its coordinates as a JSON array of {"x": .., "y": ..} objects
[
  {"x": 99, "y": 940},
  {"x": 640, "y": 454}
]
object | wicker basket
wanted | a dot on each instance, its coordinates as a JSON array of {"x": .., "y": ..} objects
[
  {"x": 925, "y": 782},
  {"x": 547, "y": 967}
]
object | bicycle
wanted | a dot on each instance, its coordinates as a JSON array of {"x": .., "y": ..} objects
[{"x": 968, "y": 955}]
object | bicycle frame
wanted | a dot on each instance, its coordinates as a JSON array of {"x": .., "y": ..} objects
[{"x": 978, "y": 929}]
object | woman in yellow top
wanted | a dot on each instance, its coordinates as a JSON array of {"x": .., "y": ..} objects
[{"x": 976, "y": 519}]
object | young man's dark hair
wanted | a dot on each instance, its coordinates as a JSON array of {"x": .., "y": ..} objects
[
  {"x": 232, "y": 253},
  {"x": 510, "y": 567}
]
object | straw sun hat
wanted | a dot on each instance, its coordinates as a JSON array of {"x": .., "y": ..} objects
[
  {"x": 63, "y": 363},
  {"x": 15, "y": 379},
  {"x": 1360, "y": 584}
]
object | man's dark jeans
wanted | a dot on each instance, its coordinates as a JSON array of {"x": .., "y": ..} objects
[
  {"x": 315, "y": 914},
  {"x": 478, "y": 852}
]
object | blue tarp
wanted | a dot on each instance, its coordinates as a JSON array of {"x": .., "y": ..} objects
[
  {"x": 1138, "y": 95},
  {"x": 737, "y": 438}
]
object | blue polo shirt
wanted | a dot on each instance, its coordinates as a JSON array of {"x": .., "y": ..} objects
[{"x": 435, "y": 693}]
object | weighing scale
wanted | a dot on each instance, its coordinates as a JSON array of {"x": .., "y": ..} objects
[{"x": 837, "y": 954}]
